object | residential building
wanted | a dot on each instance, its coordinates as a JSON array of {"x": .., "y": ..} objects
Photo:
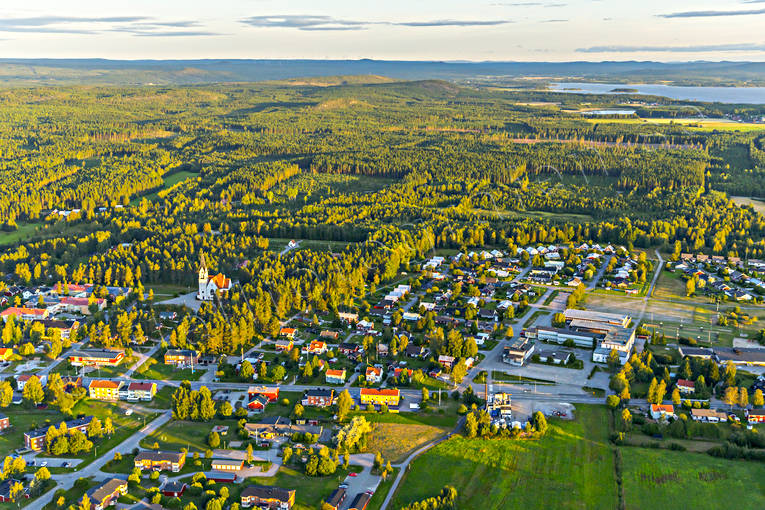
[
  {"x": 349, "y": 348},
  {"x": 24, "y": 314},
  {"x": 287, "y": 333},
  {"x": 267, "y": 497},
  {"x": 142, "y": 391},
  {"x": 708, "y": 415},
  {"x": 81, "y": 305},
  {"x": 319, "y": 397},
  {"x": 173, "y": 489},
  {"x": 160, "y": 461},
  {"x": 209, "y": 286},
  {"x": 335, "y": 499},
  {"x": 360, "y": 502},
  {"x": 227, "y": 464},
  {"x": 446, "y": 361},
  {"x": 284, "y": 345},
  {"x": 555, "y": 356},
  {"x": 21, "y": 380},
  {"x": 315, "y": 347},
  {"x": 270, "y": 392},
  {"x": 6, "y": 353},
  {"x": 684, "y": 386},
  {"x": 415, "y": 351},
  {"x": 329, "y": 335},
  {"x": 35, "y": 439},
  {"x": 517, "y": 351},
  {"x": 374, "y": 375},
  {"x": 107, "y": 493},
  {"x": 97, "y": 357},
  {"x": 65, "y": 327},
  {"x": 181, "y": 357},
  {"x": 5, "y": 491},
  {"x": 4, "y": 422},
  {"x": 104, "y": 389},
  {"x": 755, "y": 416},
  {"x": 388, "y": 396},
  {"x": 659, "y": 411},
  {"x": 335, "y": 376},
  {"x": 695, "y": 352},
  {"x": 258, "y": 404}
]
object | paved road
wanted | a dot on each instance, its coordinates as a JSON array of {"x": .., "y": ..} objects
[
  {"x": 288, "y": 248},
  {"x": 94, "y": 468},
  {"x": 639, "y": 344},
  {"x": 599, "y": 274}
]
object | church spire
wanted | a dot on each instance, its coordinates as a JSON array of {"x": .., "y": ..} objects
[{"x": 202, "y": 261}]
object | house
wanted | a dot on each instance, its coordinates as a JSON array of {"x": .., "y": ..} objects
[
  {"x": 173, "y": 489},
  {"x": 270, "y": 392},
  {"x": 329, "y": 335},
  {"x": 227, "y": 464},
  {"x": 283, "y": 345},
  {"x": 5, "y": 491},
  {"x": 22, "y": 380},
  {"x": 398, "y": 371},
  {"x": 258, "y": 404},
  {"x": 142, "y": 391},
  {"x": 97, "y": 357},
  {"x": 181, "y": 357},
  {"x": 348, "y": 317},
  {"x": 360, "y": 502},
  {"x": 659, "y": 411},
  {"x": 104, "y": 389},
  {"x": 35, "y": 439},
  {"x": 24, "y": 314},
  {"x": 555, "y": 356},
  {"x": 65, "y": 327},
  {"x": 415, "y": 351},
  {"x": 335, "y": 499},
  {"x": 107, "y": 493},
  {"x": 81, "y": 305},
  {"x": 262, "y": 496},
  {"x": 446, "y": 361},
  {"x": 4, "y": 422},
  {"x": 755, "y": 416},
  {"x": 209, "y": 286},
  {"x": 708, "y": 415},
  {"x": 684, "y": 386},
  {"x": 160, "y": 461},
  {"x": 6, "y": 353},
  {"x": 382, "y": 350},
  {"x": 315, "y": 347},
  {"x": 349, "y": 348},
  {"x": 319, "y": 397},
  {"x": 335, "y": 376},
  {"x": 388, "y": 396},
  {"x": 288, "y": 333},
  {"x": 374, "y": 375}
]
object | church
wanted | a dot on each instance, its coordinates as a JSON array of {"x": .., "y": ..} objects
[{"x": 209, "y": 286}]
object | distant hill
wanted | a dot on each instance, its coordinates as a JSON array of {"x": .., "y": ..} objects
[{"x": 304, "y": 72}]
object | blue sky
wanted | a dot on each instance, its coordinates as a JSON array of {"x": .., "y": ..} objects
[{"x": 520, "y": 30}]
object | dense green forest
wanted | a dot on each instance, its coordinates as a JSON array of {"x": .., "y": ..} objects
[{"x": 128, "y": 186}]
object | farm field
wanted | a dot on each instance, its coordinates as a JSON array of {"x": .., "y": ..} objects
[
  {"x": 573, "y": 467},
  {"x": 395, "y": 441},
  {"x": 685, "y": 480}
]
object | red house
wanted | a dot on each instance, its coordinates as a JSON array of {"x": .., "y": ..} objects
[
  {"x": 319, "y": 398},
  {"x": 174, "y": 489},
  {"x": 4, "y": 422},
  {"x": 258, "y": 404}
]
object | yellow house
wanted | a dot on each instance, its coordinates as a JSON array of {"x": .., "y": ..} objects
[
  {"x": 389, "y": 397},
  {"x": 104, "y": 390}
]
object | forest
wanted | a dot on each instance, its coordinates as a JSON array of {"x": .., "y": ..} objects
[{"x": 129, "y": 186}]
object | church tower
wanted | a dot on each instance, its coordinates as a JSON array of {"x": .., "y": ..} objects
[{"x": 203, "y": 277}]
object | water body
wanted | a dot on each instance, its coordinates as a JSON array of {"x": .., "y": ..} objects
[{"x": 744, "y": 95}]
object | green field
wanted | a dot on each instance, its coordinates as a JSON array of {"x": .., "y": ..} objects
[
  {"x": 685, "y": 480},
  {"x": 155, "y": 368},
  {"x": 175, "y": 435},
  {"x": 573, "y": 467}
]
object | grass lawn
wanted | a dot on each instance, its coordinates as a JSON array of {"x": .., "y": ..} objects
[
  {"x": 64, "y": 368},
  {"x": 443, "y": 417},
  {"x": 680, "y": 480},
  {"x": 72, "y": 495},
  {"x": 24, "y": 231},
  {"x": 572, "y": 467},
  {"x": 309, "y": 491},
  {"x": 162, "y": 400},
  {"x": 395, "y": 441},
  {"x": 175, "y": 435},
  {"x": 154, "y": 368},
  {"x": 22, "y": 420}
]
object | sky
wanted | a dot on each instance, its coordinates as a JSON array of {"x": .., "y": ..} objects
[{"x": 476, "y": 30}]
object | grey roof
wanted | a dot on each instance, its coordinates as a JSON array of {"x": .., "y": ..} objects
[{"x": 268, "y": 492}]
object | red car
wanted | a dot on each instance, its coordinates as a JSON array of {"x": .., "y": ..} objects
[{"x": 354, "y": 475}]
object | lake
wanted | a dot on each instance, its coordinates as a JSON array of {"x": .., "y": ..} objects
[
  {"x": 608, "y": 112},
  {"x": 747, "y": 95}
]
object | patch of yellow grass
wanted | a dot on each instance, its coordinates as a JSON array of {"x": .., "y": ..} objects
[{"x": 395, "y": 441}]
